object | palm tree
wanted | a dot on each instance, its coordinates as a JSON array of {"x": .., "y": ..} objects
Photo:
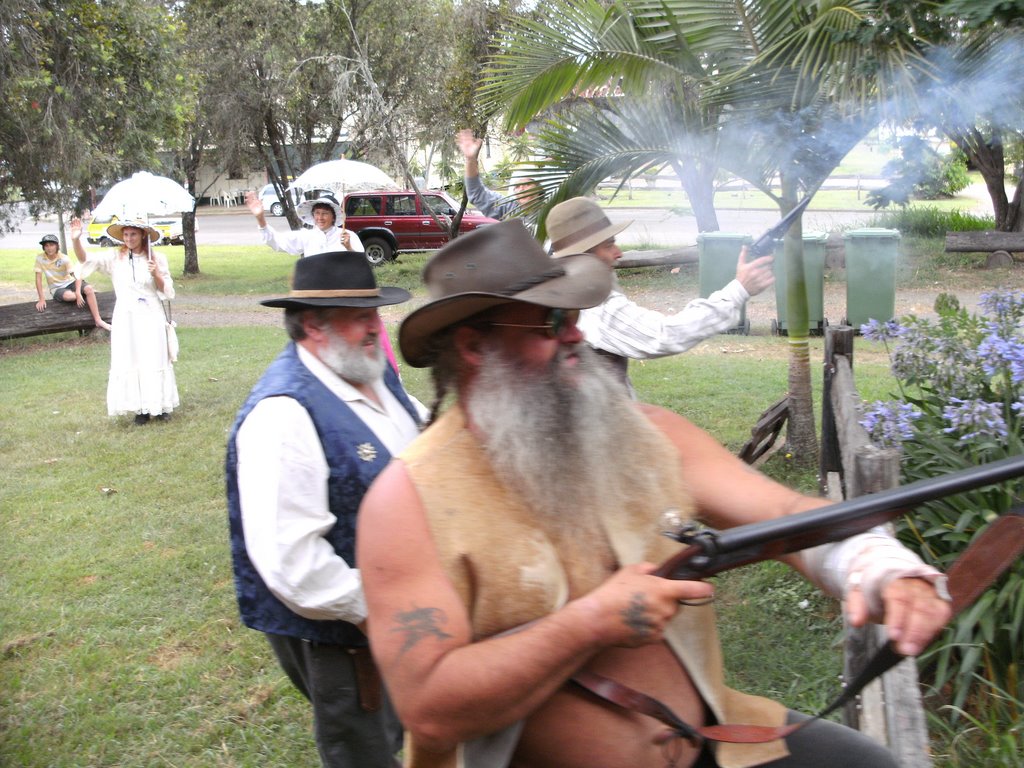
[
  {"x": 774, "y": 91},
  {"x": 619, "y": 102}
]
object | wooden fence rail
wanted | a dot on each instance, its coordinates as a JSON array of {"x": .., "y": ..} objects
[{"x": 889, "y": 709}]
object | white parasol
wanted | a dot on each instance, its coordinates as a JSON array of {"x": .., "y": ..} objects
[
  {"x": 342, "y": 176},
  {"x": 144, "y": 194}
]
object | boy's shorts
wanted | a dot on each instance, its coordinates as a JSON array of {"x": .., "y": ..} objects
[{"x": 58, "y": 291}]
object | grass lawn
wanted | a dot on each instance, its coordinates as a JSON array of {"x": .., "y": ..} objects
[{"x": 119, "y": 640}]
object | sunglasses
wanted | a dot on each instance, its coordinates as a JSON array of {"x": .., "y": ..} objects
[{"x": 557, "y": 321}]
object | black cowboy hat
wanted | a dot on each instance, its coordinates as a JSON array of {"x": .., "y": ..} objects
[{"x": 336, "y": 279}]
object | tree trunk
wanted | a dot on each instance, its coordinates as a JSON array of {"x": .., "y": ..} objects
[
  {"x": 699, "y": 184},
  {"x": 988, "y": 157},
  {"x": 188, "y": 218},
  {"x": 800, "y": 430},
  {"x": 188, "y": 228}
]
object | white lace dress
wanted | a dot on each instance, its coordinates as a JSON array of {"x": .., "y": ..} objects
[{"x": 141, "y": 374}]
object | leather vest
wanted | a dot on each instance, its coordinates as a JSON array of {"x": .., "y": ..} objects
[
  {"x": 472, "y": 517},
  {"x": 341, "y": 433}
]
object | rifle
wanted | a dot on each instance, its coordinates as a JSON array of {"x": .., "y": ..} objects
[
  {"x": 710, "y": 551},
  {"x": 766, "y": 243}
]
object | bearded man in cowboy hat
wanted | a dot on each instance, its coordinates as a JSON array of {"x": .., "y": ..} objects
[
  {"x": 620, "y": 329},
  {"x": 321, "y": 423},
  {"x": 326, "y": 232},
  {"x": 512, "y": 545}
]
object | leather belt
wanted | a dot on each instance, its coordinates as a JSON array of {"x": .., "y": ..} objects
[{"x": 974, "y": 571}]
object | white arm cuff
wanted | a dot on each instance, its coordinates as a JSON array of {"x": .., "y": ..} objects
[{"x": 868, "y": 562}]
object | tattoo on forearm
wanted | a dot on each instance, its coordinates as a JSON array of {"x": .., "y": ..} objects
[
  {"x": 635, "y": 616},
  {"x": 418, "y": 624}
]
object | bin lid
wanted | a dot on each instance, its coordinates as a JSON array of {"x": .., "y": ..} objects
[
  {"x": 734, "y": 236},
  {"x": 815, "y": 237},
  {"x": 871, "y": 232}
]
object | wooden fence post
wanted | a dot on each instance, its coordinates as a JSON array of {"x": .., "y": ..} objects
[
  {"x": 838, "y": 341},
  {"x": 889, "y": 709}
]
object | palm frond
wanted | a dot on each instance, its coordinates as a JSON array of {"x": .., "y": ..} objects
[{"x": 571, "y": 46}]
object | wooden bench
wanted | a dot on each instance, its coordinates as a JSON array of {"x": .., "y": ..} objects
[
  {"x": 999, "y": 246},
  {"x": 20, "y": 320}
]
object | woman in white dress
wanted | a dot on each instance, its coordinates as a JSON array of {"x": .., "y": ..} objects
[{"x": 141, "y": 372}]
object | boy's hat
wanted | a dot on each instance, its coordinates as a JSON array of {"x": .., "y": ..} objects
[
  {"x": 305, "y": 209},
  {"x": 336, "y": 279},
  {"x": 578, "y": 225},
  {"x": 115, "y": 229},
  {"x": 497, "y": 264},
  {"x": 49, "y": 239}
]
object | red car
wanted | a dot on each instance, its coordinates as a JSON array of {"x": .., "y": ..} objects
[{"x": 388, "y": 222}]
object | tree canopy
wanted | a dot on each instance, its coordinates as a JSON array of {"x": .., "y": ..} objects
[{"x": 88, "y": 92}]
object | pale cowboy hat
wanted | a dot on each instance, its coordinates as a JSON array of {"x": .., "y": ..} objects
[
  {"x": 578, "y": 225},
  {"x": 336, "y": 279},
  {"x": 305, "y": 209},
  {"x": 497, "y": 264},
  {"x": 115, "y": 229}
]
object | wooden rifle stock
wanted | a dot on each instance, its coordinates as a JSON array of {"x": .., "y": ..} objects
[{"x": 710, "y": 551}]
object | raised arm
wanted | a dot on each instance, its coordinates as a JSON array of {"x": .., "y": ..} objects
[
  {"x": 448, "y": 688},
  {"x": 470, "y": 147},
  {"x": 76, "y": 239},
  {"x": 255, "y": 206}
]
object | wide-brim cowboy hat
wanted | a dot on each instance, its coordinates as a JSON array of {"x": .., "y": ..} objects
[
  {"x": 578, "y": 225},
  {"x": 115, "y": 229},
  {"x": 497, "y": 264},
  {"x": 336, "y": 279},
  {"x": 305, "y": 209}
]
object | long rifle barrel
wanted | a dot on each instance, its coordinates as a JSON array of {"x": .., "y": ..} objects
[
  {"x": 712, "y": 552},
  {"x": 766, "y": 243}
]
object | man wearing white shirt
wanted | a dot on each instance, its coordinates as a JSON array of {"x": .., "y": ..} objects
[
  {"x": 620, "y": 329},
  {"x": 327, "y": 232},
  {"x": 320, "y": 424}
]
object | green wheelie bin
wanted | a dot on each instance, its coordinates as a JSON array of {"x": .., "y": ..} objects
[
  {"x": 718, "y": 253},
  {"x": 870, "y": 274},
  {"x": 814, "y": 280}
]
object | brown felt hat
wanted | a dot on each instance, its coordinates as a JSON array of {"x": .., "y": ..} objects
[
  {"x": 336, "y": 279},
  {"x": 497, "y": 264},
  {"x": 578, "y": 225}
]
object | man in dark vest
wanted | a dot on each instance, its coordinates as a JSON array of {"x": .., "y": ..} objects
[{"x": 321, "y": 423}]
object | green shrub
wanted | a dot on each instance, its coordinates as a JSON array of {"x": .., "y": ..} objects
[
  {"x": 931, "y": 222},
  {"x": 961, "y": 403}
]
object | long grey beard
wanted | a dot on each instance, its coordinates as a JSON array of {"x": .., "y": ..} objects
[
  {"x": 351, "y": 362},
  {"x": 571, "y": 447}
]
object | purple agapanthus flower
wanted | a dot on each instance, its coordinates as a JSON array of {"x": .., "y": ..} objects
[
  {"x": 889, "y": 422},
  {"x": 876, "y": 330},
  {"x": 974, "y": 418},
  {"x": 1002, "y": 305},
  {"x": 999, "y": 354}
]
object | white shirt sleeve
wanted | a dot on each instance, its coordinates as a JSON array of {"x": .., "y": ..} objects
[
  {"x": 624, "y": 328},
  {"x": 282, "y": 481},
  {"x": 291, "y": 242}
]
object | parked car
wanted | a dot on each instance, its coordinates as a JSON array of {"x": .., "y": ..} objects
[
  {"x": 169, "y": 227},
  {"x": 272, "y": 203},
  {"x": 388, "y": 222}
]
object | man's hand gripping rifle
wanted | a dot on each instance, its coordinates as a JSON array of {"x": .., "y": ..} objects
[{"x": 710, "y": 551}]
